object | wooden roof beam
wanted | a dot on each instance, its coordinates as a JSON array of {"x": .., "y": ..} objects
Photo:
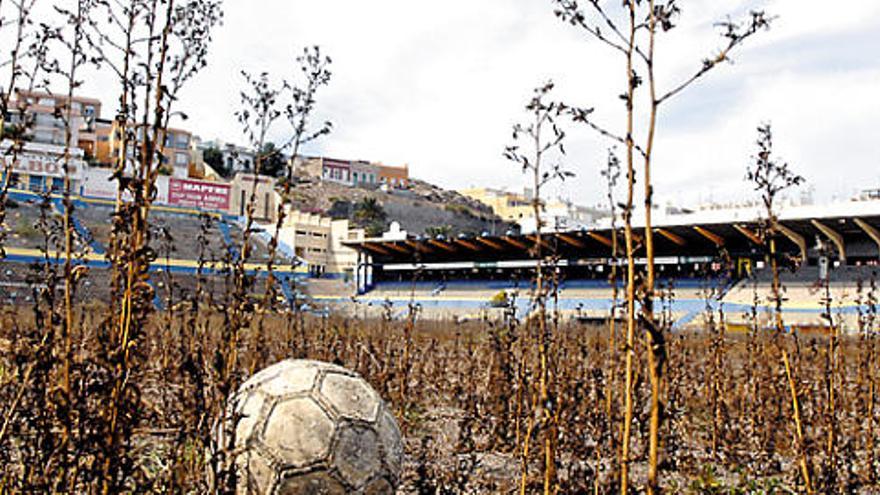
[
  {"x": 468, "y": 244},
  {"x": 399, "y": 249},
  {"x": 835, "y": 237},
  {"x": 597, "y": 237},
  {"x": 515, "y": 243},
  {"x": 377, "y": 249},
  {"x": 671, "y": 236},
  {"x": 794, "y": 237},
  {"x": 418, "y": 246},
  {"x": 750, "y": 235},
  {"x": 870, "y": 230},
  {"x": 571, "y": 241},
  {"x": 442, "y": 245},
  {"x": 708, "y": 234},
  {"x": 492, "y": 244},
  {"x": 544, "y": 242}
]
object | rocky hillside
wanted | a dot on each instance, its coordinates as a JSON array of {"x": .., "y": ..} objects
[{"x": 421, "y": 208}]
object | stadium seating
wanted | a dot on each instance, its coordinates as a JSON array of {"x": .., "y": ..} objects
[
  {"x": 175, "y": 234},
  {"x": 179, "y": 230},
  {"x": 802, "y": 288},
  {"x": 597, "y": 289},
  {"x": 23, "y": 224}
]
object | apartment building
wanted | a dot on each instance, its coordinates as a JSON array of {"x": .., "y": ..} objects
[
  {"x": 352, "y": 173},
  {"x": 336, "y": 171},
  {"x": 40, "y": 164},
  {"x": 176, "y": 159},
  {"x": 394, "y": 177},
  {"x": 326, "y": 169},
  {"x": 233, "y": 158},
  {"x": 364, "y": 173},
  {"x": 511, "y": 207},
  {"x": 558, "y": 215},
  {"x": 45, "y": 116},
  {"x": 319, "y": 241},
  {"x": 40, "y": 167},
  {"x": 519, "y": 208},
  {"x": 177, "y": 153}
]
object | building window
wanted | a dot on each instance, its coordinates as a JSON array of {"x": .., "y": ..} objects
[
  {"x": 45, "y": 120},
  {"x": 181, "y": 159},
  {"x": 182, "y": 141},
  {"x": 42, "y": 136},
  {"x": 35, "y": 183}
]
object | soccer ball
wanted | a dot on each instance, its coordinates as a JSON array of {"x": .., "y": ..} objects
[{"x": 307, "y": 427}]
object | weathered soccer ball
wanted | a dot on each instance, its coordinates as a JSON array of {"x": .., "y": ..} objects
[{"x": 307, "y": 427}]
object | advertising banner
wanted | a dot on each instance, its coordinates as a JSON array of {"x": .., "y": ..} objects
[
  {"x": 198, "y": 194},
  {"x": 96, "y": 183},
  {"x": 39, "y": 164}
]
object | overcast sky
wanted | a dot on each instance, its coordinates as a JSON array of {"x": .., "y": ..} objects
[{"x": 437, "y": 85}]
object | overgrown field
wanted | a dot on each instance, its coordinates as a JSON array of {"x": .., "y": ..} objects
[{"x": 466, "y": 396}]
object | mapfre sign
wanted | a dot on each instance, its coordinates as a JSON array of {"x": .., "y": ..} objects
[
  {"x": 198, "y": 194},
  {"x": 39, "y": 164}
]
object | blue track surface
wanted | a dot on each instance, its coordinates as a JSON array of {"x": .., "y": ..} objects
[
  {"x": 81, "y": 229},
  {"x": 227, "y": 237}
]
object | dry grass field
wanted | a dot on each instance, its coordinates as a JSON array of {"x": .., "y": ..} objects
[{"x": 464, "y": 395}]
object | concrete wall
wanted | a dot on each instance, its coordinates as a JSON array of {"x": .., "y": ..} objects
[{"x": 263, "y": 190}]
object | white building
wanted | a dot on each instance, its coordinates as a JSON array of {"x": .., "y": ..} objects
[
  {"x": 235, "y": 158},
  {"x": 558, "y": 216},
  {"x": 40, "y": 166},
  {"x": 319, "y": 241}
]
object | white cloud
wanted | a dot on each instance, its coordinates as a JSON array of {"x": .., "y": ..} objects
[
  {"x": 823, "y": 124},
  {"x": 437, "y": 85}
]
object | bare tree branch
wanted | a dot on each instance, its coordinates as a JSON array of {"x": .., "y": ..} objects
[{"x": 735, "y": 35}]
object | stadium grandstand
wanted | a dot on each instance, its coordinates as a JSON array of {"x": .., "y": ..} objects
[
  {"x": 713, "y": 258},
  {"x": 187, "y": 242}
]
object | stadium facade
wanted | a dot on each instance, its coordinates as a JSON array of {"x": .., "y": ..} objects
[{"x": 710, "y": 257}]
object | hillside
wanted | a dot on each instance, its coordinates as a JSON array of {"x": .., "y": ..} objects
[{"x": 420, "y": 207}]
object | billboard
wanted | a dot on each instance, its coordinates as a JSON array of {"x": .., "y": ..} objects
[
  {"x": 198, "y": 194},
  {"x": 39, "y": 164},
  {"x": 97, "y": 183}
]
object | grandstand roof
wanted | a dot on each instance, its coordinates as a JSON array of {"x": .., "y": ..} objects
[{"x": 846, "y": 233}]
